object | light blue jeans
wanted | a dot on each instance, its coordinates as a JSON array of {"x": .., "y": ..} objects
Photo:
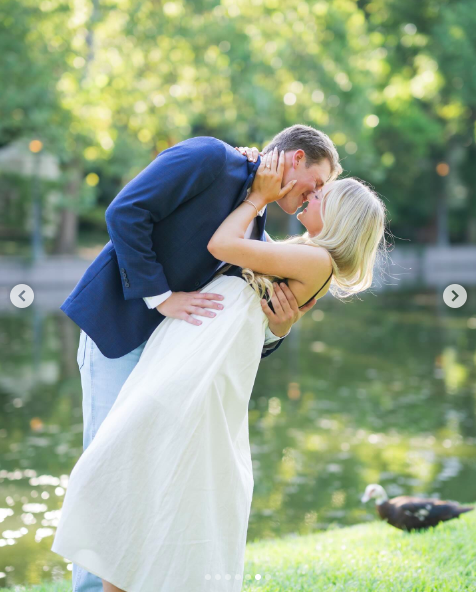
[{"x": 101, "y": 380}]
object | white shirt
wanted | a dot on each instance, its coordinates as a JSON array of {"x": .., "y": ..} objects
[{"x": 251, "y": 233}]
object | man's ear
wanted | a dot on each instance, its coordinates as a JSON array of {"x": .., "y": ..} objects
[{"x": 298, "y": 157}]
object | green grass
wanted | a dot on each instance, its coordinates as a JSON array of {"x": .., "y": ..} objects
[
  {"x": 364, "y": 558},
  {"x": 64, "y": 586}
]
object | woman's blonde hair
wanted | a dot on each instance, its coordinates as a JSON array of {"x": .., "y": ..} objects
[{"x": 353, "y": 233}]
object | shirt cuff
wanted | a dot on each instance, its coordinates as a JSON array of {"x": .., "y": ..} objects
[
  {"x": 270, "y": 337},
  {"x": 154, "y": 301}
]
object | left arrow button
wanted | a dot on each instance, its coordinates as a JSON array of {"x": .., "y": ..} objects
[{"x": 22, "y": 296}]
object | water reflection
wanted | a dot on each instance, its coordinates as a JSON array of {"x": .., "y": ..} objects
[{"x": 379, "y": 390}]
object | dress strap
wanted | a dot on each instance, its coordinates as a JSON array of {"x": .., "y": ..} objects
[{"x": 318, "y": 290}]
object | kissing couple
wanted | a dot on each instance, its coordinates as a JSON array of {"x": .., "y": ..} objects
[{"x": 176, "y": 313}]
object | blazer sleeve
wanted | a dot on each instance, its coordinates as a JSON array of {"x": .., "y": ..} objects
[
  {"x": 268, "y": 350},
  {"x": 175, "y": 176}
]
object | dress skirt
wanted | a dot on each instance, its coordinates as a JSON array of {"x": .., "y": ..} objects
[{"x": 160, "y": 500}]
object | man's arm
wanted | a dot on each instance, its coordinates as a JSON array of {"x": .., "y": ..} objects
[
  {"x": 271, "y": 338},
  {"x": 175, "y": 176},
  {"x": 268, "y": 350}
]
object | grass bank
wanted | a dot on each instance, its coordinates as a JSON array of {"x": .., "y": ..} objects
[{"x": 364, "y": 558}]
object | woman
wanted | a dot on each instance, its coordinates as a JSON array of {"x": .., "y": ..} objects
[{"x": 160, "y": 500}]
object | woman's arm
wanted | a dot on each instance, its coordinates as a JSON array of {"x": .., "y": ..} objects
[{"x": 309, "y": 266}]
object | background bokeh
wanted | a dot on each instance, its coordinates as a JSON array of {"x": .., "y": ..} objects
[
  {"x": 379, "y": 389},
  {"x": 101, "y": 87}
]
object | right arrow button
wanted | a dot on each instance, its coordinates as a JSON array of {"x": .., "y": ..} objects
[{"x": 455, "y": 296}]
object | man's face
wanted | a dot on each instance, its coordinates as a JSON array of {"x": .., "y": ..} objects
[{"x": 308, "y": 179}]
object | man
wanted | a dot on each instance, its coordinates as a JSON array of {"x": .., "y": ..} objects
[{"x": 157, "y": 260}]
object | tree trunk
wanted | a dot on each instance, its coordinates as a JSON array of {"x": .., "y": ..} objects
[
  {"x": 471, "y": 230},
  {"x": 66, "y": 239},
  {"x": 443, "y": 238},
  {"x": 68, "y": 233},
  {"x": 471, "y": 183}
]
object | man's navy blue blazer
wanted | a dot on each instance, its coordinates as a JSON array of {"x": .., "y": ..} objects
[{"x": 160, "y": 225}]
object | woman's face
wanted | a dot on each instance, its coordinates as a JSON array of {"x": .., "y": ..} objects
[{"x": 311, "y": 216}]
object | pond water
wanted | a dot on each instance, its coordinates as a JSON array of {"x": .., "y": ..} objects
[{"x": 381, "y": 389}]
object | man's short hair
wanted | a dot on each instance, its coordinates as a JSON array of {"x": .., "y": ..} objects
[{"x": 316, "y": 145}]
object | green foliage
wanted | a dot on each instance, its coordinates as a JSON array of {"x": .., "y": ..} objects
[
  {"x": 30, "y": 67},
  {"x": 108, "y": 85}
]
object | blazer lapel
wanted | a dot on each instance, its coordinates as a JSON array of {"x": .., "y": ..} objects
[
  {"x": 229, "y": 269},
  {"x": 252, "y": 168},
  {"x": 261, "y": 221}
]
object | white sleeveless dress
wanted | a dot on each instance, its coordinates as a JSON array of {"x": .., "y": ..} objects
[{"x": 160, "y": 500}]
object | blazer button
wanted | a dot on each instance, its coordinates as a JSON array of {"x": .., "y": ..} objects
[
  {"x": 126, "y": 284},
  {"x": 197, "y": 284},
  {"x": 123, "y": 270}
]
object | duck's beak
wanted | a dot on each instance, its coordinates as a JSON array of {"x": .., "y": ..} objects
[{"x": 365, "y": 498}]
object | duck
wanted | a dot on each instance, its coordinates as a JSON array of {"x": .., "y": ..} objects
[{"x": 412, "y": 513}]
